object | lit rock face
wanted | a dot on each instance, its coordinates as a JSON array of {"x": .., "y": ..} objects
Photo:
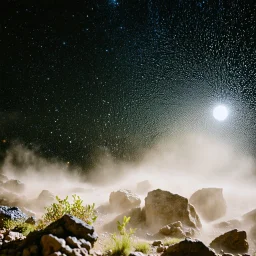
[
  {"x": 123, "y": 200},
  {"x": 163, "y": 208},
  {"x": 189, "y": 247},
  {"x": 11, "y": 213},
  {"x": 233, "y": 241},
  {"x": 209, "y": 203}
]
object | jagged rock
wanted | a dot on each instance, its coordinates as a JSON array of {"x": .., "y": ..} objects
[
  {"x": 11, "y": 213},
  {"x": 51, "y": 244},
  {"x": 14, "y": 185},
  {"x": 233, "y": 241},
  {"x": 163, "y": 207},
  {"x": 209, "y": 203},
  {"x": 250, "y": 217},
  {"x": 143, "y": 187},
  {"x": 137, "y": 220},
  {"x": 31, "y": 220},
  {"x": 71, "y": 231},
  {"x": 176, "y": 229},
  {"x": 231, "y": 224},
  {"x": 123, "y": 200},
  {"x": 189, "y": 247}
]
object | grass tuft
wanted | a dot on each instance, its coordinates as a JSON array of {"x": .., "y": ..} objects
[
  {"x": 171, "y": 241},
  {"x": 141, "y": 246}
]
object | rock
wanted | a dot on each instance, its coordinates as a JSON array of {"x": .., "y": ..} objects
[
  {"x": 177, "y": 230},
  {"x": 163, "y": 207},
  {"x": 12, "y": 236},
  {"x": 31, "y": 220},
  {"x": 209, "y": 203},
  {"x": 231, "y": 224},
  {"x": 14, "y": 185},
  {"x": 137, "y": 220},
  {"x": 160, "y": 248},
  {"x": 44, "y": 199},
  {"x": 71, "y": 231},
  {"x": 143, "y": 187},
  {"x": 227, "y": 254},
  {"x": 250, "y": 217},
  {"x": 233, "y": 241},
  {"x": 136, "y": 254},
  {"x": 189, "y": 247},
  {"x": 51, "y": 244},
  {"x": 157, "y": 243},
  {"x": 77, "y": 227},
  {"x": 11, "y": 213},
  {"x": 123, "y": 200}
]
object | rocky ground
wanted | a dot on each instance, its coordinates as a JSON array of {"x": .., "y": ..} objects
[{"x": 157, "y": 215}]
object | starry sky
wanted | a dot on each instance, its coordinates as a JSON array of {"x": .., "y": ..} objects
[{"x": 117, "y": 75}]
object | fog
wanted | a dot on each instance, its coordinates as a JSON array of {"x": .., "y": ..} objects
[{"x": 180, "y": 165}]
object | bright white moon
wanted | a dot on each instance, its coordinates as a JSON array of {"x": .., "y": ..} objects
[{"x": 220, "y": 113}]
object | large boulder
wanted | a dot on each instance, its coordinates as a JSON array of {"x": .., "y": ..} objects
[
  {"x": 233, "y": 241},
  {"x": 14, "y": 185},
  {"x": 163, "y": 208},
  {"x": 209, "y": 203},
  {"x": 189, "y": 247},
  {"x": 44, "y": 199},
  {"x": 66, "y": 236},
  {"x": 123, "y": 200},
  {"x": 11, "y": 213}
]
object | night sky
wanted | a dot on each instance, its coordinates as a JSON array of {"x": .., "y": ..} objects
[{"x": 115, "y": 76}]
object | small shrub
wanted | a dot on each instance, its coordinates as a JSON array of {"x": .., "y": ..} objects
[
  {"x": 55, "y": 211},
  {"x": 141, "y": 246},
  {"x": 122, "y": 243},
  {"x": 18, "y": 226},
  {"x": 171, "y": 241}
]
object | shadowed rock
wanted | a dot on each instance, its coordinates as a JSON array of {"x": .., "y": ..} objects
[
  {"x": 209, "y": 203},
  {"x": 233, "y": 241},
  {"x": 189, "y": 247}
]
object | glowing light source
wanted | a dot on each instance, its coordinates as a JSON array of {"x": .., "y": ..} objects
[{"x": 220, "y": 112}]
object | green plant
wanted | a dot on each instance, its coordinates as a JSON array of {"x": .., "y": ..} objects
[
  {"x": 18, "y": 226},
  {"x": 141, "y": 246},
  {"x": 55, "y": 211},
  {"x": 171, "y": 241},
  {"x": 122, "y": 243}
]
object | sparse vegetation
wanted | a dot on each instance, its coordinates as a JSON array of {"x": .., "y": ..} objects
[
  {"x": 141, "y": 246},
  {"x": 122, "y": 243},
  {"x": 171, "y": 241},
  {"x": 18, "y": 226},
  {"x": 55, "y": 211}
]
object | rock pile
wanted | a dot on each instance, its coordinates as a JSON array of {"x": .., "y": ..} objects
[{"x": 66, "y": 236}]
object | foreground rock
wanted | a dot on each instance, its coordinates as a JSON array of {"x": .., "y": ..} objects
[
  {"x": 233, "y": 241},
  {"x": 66, "y": 236},
  {"x": 123, "y": 200},
  {"x": 189, "y": 247},
  {"x": 209, "y": 203},
  {"x": 163, "y": 208},
  {"x": 11, "y": 213}
]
